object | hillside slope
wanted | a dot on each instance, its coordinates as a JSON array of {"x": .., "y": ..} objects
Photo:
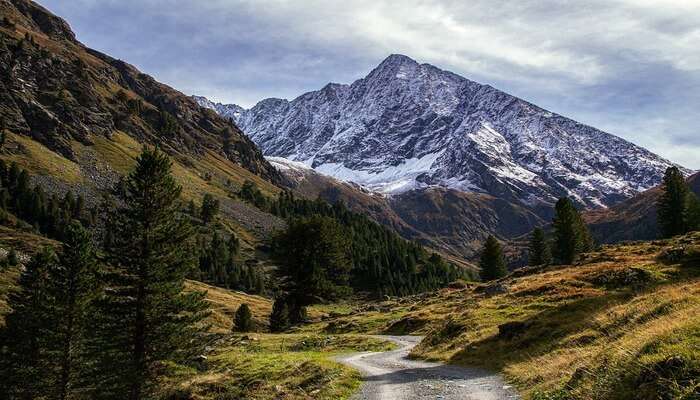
[
  {"x": 624, "y": 323},
  {"x": 76, "y": 119},
  {"x": 57, "y": 91},
  {"x": 633, "y": 219}
]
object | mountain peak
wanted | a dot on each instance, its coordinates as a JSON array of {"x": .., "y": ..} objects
[
  {"x": 395, "y": 62},
  {"x": 409, "y": 125},
  {"x": 397, "y": 59}
]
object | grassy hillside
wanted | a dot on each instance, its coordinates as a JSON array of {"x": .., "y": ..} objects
[{"x": 624, "y": 323}]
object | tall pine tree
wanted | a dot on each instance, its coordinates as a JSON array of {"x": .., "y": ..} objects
[
  {"x": 571, "y": 235},
  {"x": 26, "y": 367},
  {"x": 314, "y": 261},
  {"x": 145, "y": 307},
  {"x": 492, "y": 262},
  {"x": 671, "y": 204},
  {"x": 74, "y": 285},
  {"x": 539, "y": 252}
]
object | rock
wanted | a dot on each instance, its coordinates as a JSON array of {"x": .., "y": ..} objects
[
  {"x": 492, "y": 289},
  {"x": 513, "y": 329}
]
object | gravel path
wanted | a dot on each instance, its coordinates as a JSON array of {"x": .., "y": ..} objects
[{"x": 391, "y": 376}]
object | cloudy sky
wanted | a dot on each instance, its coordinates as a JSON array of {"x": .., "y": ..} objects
[{"x": 629, "y": 67}]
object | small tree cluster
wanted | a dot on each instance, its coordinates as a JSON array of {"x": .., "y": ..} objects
[
  {"x": 167, "y": 124},
  {"x": 218, "y": 266},
  {"x": 48, "y": 214},
  {"x": 249, "y": 192},
  {"x": 678, "y": 208}
]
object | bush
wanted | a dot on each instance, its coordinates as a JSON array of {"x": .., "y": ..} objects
[{"x": 243, "y": 320}]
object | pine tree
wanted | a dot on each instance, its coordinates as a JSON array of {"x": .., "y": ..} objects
[
  {"x": 571, "y": 235},
  {"x": 539, "y": 252},
  {"x": 692, "y": 212},
  {"x": 279, "y": 318},
  {"x": 74, "y": 286},
  {"x": 210, "y": 207},
  {"x": 146, "y": 317},
  {"x": 26, "y": 368},
  {"x": 12, "y": 258},
  {"x": 243, "y": 319},
  {"x": 314, "y": 263},
  {"x": 671, "y": 205},
  {"x": 192, "y": 208},
  {"x": 492, "y": 262}
]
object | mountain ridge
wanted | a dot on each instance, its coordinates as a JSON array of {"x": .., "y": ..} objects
[{"x": 408, "y": 125}]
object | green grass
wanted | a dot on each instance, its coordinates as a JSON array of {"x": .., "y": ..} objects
[{"x": 272, "y": 366}]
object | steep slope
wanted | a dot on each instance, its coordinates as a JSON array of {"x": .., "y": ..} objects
[
  {"x": 633, "y": 219},
  {"x": 77, "y": 118},
  {"x": 408, "y": 125},
  {"x": 57, "y": 91}
]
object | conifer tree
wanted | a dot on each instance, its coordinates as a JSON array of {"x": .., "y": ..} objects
[
  {"x": 74, "y": 286},
  {"x": 279, "y": 318},
  {"x": 314, "y": 263},
  {"x": 492, "y": 262},
  {"x": 539, "y": 252},
  {"x": 671, "y": 205},
  {"x": 210, "y": 207},
  {"x": 571, "y": 235},
  {"x": 26, "y": 368},
  {"x": 192, "y": 208},
  {"x": 243, "y": 319},
  {"x": 692, "y": 212},
  {"x": 12, "y": 258},
  {"x": 146, "y": 317}
]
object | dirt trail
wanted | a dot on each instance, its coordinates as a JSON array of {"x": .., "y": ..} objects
[{"x": 391, "y": 376}]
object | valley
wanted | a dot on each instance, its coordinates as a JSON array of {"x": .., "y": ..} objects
[{"x": 413, "y": 234}]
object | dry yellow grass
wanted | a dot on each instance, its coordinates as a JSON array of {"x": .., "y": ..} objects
[
  {"x": 224, "y": 303},
  {"x": 604, "y": 328}
]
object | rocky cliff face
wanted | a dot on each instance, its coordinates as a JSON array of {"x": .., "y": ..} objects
[
  {"x": 56, "y": 91},
  {"x": 408, "y": 125}
]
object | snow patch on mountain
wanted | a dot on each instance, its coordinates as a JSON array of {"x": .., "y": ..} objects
[{"x": 391, "y": 179}]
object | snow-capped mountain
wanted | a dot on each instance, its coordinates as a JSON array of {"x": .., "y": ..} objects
[
  {"x": 225, "y": 110},
  {"x": 409, "y": 125}
]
